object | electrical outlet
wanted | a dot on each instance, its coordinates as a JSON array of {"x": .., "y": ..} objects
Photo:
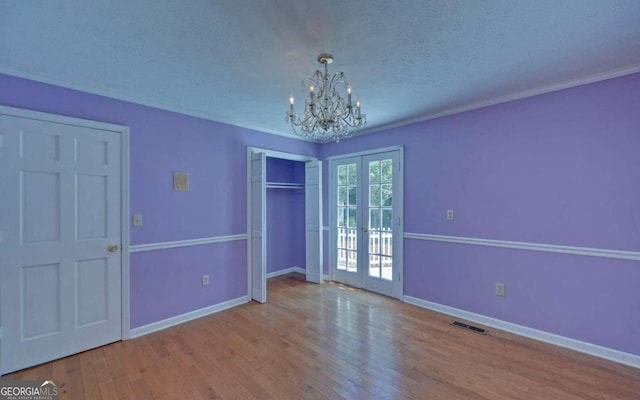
[
  {"x": 449, "y": 214},
  {"x": 205, "y": 280},
  {"x": 500, "y": 291}
]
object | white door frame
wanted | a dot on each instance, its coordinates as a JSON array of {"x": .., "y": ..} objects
[
  {"x": 398, "y": 251},
  {"x": 123, "y": 132},
  {"x": 273, "y": 154}
]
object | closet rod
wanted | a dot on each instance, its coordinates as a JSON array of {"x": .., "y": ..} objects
[{"x": 284, "y": 185}]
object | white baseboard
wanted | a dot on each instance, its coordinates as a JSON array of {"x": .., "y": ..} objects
[
  {"x": 286, "y": 271},
  {"x": 562, "y": 341},
  {"x": 299, "y": 270},
  {"x": 179, "y": 319},
  {"x": 314, "y": 278}
]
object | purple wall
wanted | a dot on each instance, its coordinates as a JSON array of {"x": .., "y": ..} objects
[
  {"x": 561, "y": 168},
  {"x": 168, "y": 282}
]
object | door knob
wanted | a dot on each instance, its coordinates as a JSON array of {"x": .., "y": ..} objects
[
  {"x": 112, "y": 248},
  {"x": 365, "y": 229}
]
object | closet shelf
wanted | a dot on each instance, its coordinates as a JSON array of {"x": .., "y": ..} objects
[{"x": 284, "y": 185}]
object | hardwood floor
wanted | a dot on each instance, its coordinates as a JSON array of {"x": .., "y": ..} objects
[{"x": 330, "y": 342}]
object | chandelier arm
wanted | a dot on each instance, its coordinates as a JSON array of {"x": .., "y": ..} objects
[
  {"x": 349, "y": 111},
  {"x": 337, "y": 78},
  {"x": 316, "y": 111}
]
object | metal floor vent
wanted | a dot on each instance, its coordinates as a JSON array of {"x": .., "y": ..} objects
[{"x": 471, "y": 328}]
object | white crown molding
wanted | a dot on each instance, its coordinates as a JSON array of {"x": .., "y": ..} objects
[
  {"x": 109, "y": 93},
  {"x": 616, "y": 73},
  {"x": 550, "y": 248},
  {"x": 183, "y": 243},
  {"x": 628, "y": 70},
  {"x": 182, "y": 318},
  {"x": 562, "y": 341}
]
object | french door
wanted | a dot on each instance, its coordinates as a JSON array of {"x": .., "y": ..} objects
[{"x": 366, "y": 221}]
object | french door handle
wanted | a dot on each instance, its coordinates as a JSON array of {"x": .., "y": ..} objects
[
  {"x": 112, "y": 248},
  {"x": 365, "y": 229}
]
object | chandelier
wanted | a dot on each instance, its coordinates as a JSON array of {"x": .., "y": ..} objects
[{"x": 327, "y": 115}]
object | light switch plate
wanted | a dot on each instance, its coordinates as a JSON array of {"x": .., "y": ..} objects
[
  {"x": 137, "y": 220},
  {"x": 449, "y": 214},
  {"x": 180, "y": 182}
]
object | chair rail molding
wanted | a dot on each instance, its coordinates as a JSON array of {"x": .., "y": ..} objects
[
  {"x": 549, "y": 248},
  {"x": 136, "y": 248}
]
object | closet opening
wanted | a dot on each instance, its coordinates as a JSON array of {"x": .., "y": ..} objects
[
  {"x": 284, "y": 218},
  {"x": 285, "y": 244}
]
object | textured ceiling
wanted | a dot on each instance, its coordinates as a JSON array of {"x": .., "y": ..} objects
[{"x": 237, "y": 61}]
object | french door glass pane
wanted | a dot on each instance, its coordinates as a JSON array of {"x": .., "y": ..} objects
[
  {"x": 342, "y": 259},
  {"x": 352, "y": 177},
  {"x": 374, "y": 219},
  {"x": 374, "y": 195},
  {"x": 342, "y": 217},
  {"x": 342, "y": 196},
  {"x": 374, "y": 266},
  {"x": 374, "y": 172},
  {"x": 387, "y": 218},
  {"x": 353, "y": 213},
  {"x": 352, "y": 263},
  {"x": 342, "y": 174},
  {"x": 387, "y": 268},
  {"x": 387, "y": 195},
  {"x": 380, "y": 248},
  {"x": 387, "y": 170}
]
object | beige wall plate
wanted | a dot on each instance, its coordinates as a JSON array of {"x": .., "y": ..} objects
[{"x": 180, "y": 182}]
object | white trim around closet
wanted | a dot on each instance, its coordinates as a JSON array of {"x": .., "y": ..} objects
[{"x": 272, "y": 154}]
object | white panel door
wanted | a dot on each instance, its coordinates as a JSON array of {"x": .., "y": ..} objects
[
  {"x": 313, "y": 220},
  {"x": 258, "y": 227},
  {"x": 60, "y": 261}
]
